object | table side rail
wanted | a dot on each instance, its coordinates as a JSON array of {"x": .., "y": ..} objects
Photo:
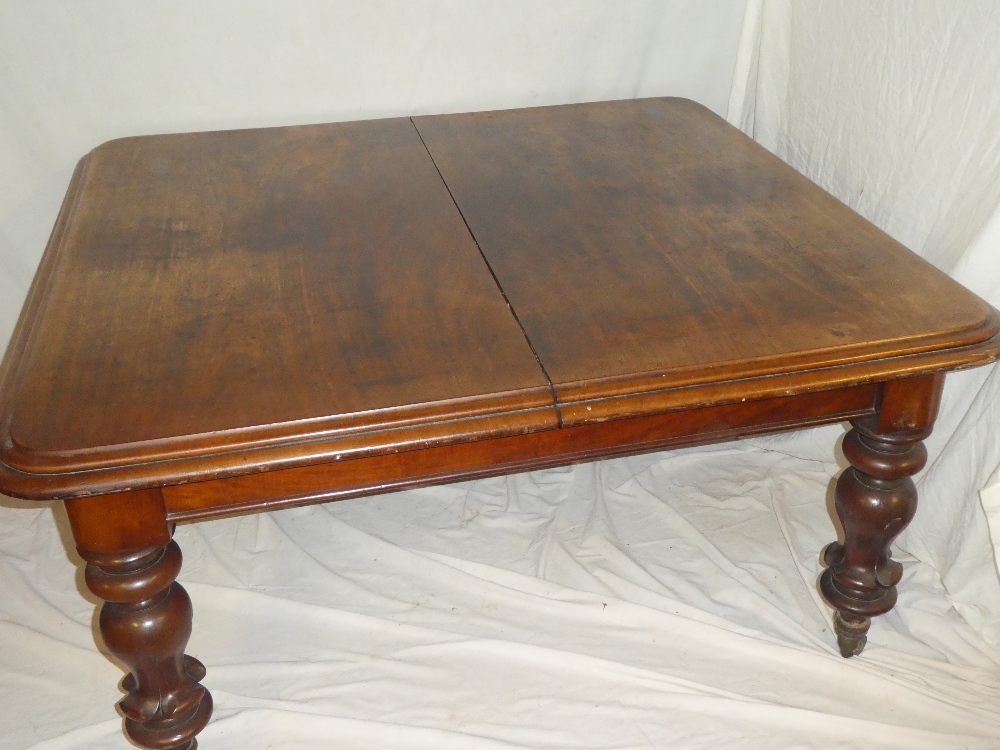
[{"x": 438, "y": 465}]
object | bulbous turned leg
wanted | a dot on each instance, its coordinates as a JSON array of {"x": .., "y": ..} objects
[
  {"x": 132, "y": 564},
  {"x": 875, "y": 500},
  {"x": 146, "y": 623}
]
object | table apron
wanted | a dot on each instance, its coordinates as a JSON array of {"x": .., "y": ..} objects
[{"x": 449, "y": 463}]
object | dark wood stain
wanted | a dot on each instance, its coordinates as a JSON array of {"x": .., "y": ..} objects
[
  {"x": 650, "y": 238},
  {"x": 233, "y": 322},
  {"x": 222, "y": 281},
  {"x": 217, "y": 304},
  {"x": 381, "y": 473}
]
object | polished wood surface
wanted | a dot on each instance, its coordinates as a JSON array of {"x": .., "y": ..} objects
[
  {"x": 448, "y": 463},
  {"x": 875, "y": 500},
  {"x": 218, "y": 304},
  {"x": 146, "y": 617},
  {"x": 238, "y": 321},
  {"x": 648, "y": 244},
  {"x": 240, "y": 290}
]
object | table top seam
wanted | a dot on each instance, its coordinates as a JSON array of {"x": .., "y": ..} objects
[{"x": 513, "y": 312}]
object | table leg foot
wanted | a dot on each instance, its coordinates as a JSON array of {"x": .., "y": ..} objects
[
  {"x": 852, "y": 633},
  {"x": 146, "y": 622}
]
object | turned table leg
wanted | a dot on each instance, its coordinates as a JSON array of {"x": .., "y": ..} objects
[
  {"x": 146, "y": 618},
  {"x": 875, "y": 500}
]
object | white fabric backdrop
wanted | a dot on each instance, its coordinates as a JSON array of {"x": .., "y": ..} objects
[{"x": 664, "y": 601}]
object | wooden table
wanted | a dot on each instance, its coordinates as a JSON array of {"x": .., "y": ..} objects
[{"x": 246, "y": 320}]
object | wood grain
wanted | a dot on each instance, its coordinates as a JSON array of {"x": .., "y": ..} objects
[
  {"x": 239, "y": 289},
  {"x": 240, "y": 321},
  {"x": 648, "y": 245},
  {"x": 215, "y": 305},
  {"x": 587, "y": 442}
]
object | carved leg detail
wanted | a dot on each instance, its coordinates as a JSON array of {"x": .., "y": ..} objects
[
  {"x": 146, "y": 622},
  {"x": 875, "y": 500}
]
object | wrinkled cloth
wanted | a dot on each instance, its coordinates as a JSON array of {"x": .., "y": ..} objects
[{"x": 661, "y": 601}]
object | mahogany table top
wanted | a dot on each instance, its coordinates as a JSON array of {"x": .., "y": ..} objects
[{"x": 217, "y": 304}]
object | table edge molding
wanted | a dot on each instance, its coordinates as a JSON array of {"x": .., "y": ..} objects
[{"x": 61, "y": 485}]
